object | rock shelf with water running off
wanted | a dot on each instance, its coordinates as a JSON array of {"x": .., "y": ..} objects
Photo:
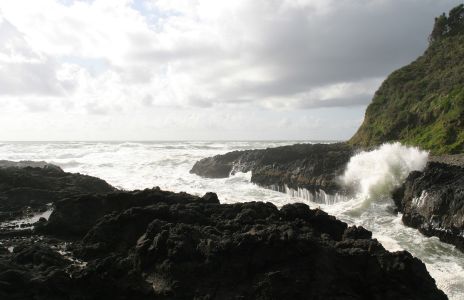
[
  {"x": 431, "y": 201},
  {"x": 313, "y": 167}
]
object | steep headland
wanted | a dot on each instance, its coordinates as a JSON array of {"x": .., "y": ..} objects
[{"x": 422, "y": 104}]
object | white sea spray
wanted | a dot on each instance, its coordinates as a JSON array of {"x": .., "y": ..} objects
[{"x": 375, "y": 174}]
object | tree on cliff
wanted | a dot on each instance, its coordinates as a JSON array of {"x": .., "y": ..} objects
[{"x": 448, "y": 26}]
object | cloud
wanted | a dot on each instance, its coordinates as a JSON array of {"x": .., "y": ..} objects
[
  {"x": 255, "y": 51},
  {"x": 23, "y": 71},
  {"x": 106, "y": 57}
]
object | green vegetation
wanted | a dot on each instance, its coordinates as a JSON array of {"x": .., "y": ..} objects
[
  {"x": 448, "y": 26},
  {"x": 422, "y": 104}
]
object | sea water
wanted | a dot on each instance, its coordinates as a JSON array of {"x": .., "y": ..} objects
[{"x": 139, "y": 165}]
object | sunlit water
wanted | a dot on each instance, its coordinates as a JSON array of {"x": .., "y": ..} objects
[{"x": 139, "y": 165}]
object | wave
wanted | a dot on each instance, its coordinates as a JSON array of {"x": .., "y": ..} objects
[{"x": 373, "y": 175}]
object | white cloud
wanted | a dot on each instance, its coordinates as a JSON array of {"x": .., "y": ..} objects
[{"x": 115, "y": 57}]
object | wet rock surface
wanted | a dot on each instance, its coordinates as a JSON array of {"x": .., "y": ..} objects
[
  {"x": 27, "y": 187},
  {"x": 450, "y": 159},
  {"x": 309, "y": 166},
  {"x": 433, "y": 202},
  {"x": 154, "y": 244}
]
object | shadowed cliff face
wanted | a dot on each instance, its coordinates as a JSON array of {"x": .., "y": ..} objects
[
  {"x": 154, "y": 244},
  {"x": 309, "y": 166},
  {"x": 433, "y": 202},
  {"x": 422, "y": 104}
]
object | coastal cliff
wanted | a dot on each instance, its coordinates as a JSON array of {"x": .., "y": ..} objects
[{"x": 422, "y": 104}]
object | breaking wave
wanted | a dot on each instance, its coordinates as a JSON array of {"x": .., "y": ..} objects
[{"x": 373, "y": 175}]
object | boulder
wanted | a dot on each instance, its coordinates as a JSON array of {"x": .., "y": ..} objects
[
  {"x": 433, "y": 202},
  {"x": 29, "y": 186}
]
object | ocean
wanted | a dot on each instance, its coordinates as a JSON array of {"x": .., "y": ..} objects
[{"x": 140, "y": 165}]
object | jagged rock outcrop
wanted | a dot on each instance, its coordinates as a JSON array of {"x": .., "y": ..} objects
[
  {"x": 178, "y": 246},
  {"x": 309, "y": 166},
  {"x": 73, "y": 217},
  {"x": 433, "y": 202},
  {"x": 222, "y": 166},
  {"x": 26, "y": 186}
]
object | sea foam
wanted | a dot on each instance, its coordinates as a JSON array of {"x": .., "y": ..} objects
[
  {"x": 375, "y": 174},
  {"x": 167, "y": 164}
]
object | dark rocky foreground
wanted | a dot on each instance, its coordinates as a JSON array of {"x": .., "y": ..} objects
[
  {"x": 309, "y": 166},
  {"x": 154, "y": 244},
  {"x": 27, "y": 187},
  {"x": 433, "y": 202}
]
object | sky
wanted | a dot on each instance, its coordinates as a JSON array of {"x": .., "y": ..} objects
[{"x": 201, "y": 69}]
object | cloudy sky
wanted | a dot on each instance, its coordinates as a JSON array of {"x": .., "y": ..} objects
[{"x": 200, "y": 69}]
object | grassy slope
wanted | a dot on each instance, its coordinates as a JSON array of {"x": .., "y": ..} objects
[{"x": 421, "y": 104}]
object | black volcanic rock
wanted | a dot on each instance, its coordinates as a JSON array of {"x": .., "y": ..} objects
[
  {"x": 154, "y": 244},
  {"x": 309, "y": 166},
  {"x": 75, "y": 216},
  {"x": 37, "y": 254},
  {"x": 31, "y": 185},
  {"x": 34, "y": 271},
  {"x": 221, "y": 166},
  {"x": 433, "y": 202}
]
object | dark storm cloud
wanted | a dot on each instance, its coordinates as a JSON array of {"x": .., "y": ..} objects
[
  {"x": 302, "y": 48},
  {"x": 357, "y": 40}
]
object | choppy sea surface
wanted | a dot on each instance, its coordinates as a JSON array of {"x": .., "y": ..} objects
[{"x": 139, "y": 165}]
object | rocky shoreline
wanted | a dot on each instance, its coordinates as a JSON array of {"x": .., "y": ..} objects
[
  {"x": 154, "y": 244},
  {"x": 313, "y": 167},
  {"x": 27, "y": 187},
  {"x": 433, "y": 202}
]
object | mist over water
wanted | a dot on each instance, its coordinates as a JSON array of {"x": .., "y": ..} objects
[{"x": 373, "y": 175}]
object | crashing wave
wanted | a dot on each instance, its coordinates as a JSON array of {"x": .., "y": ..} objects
[{"x": 373, "y": 175}]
